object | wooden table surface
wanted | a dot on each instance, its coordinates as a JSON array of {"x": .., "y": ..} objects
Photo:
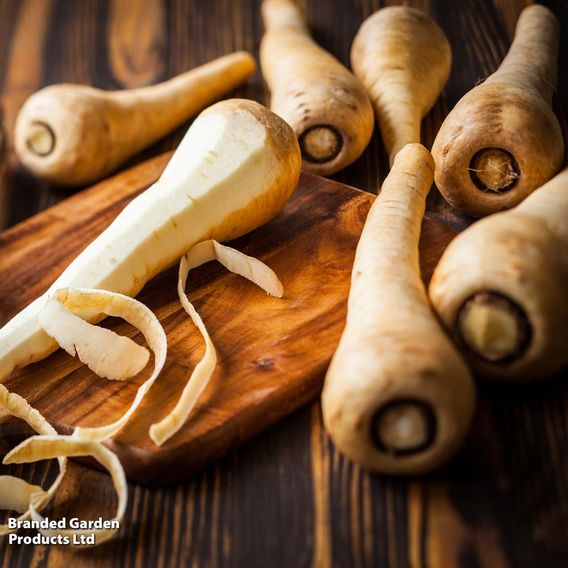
[{"x": 288, "y": 498}]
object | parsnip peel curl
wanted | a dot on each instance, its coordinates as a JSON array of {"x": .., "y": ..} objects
[
  {"x": 92, "y": 342},
  {"x": 38, "y": 448},
  {"x": 117, "y": 358},
  {"x": 16, "y": 494},
  {"x": 106, "y": 353},
  {"x": 250, "y": 268}
]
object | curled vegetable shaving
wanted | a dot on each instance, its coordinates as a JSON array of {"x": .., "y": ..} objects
[
  {"x": 239, "y": 263},
  {"x": 16, "y": 494},
  {"x": 116, "y": 358},
  {"x": 46, "y": 447},
  {"x": 106, "y": 353},
  {"x": 93, "y": 347}
]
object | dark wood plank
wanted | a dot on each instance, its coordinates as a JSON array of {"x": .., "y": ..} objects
[{"x": 504, "y": 499}]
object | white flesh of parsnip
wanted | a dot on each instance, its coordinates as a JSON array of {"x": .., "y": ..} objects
[{"x": 234, "y": 170}]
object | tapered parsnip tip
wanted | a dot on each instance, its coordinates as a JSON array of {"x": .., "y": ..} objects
[
  {"x": 282, "y": 14},
  {"x": 493, "y": 328},
  {"x": 244, "y": 57},
  {"x": 415, "y": 159},
  {"x": 420, "y": 151},
  {"x": 538, "y": 11},
  {"x": 242, "y": 61}
]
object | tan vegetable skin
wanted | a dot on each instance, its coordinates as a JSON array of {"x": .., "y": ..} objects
[
  {"x": 502, "y": 140},
  {"x": 403, "y": 59},
  {"x": 323, "y": 102},
  {"x": 234, "y": 170},
  {"x": 500, "y": 288},
  {"x": 74, "y": 134},
  {"x": 397, "y": 397}
]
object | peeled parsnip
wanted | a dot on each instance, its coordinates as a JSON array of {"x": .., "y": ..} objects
[
  {"x": 502, "y": 140},
  {"x": 403, "y": 59},
  {"x": 500, "y": 287},
  {"x": 74, "y": 134},
  {"x": 234, "y": 170},
  {"x": 397, "y": 397},
  {"x": 323, "y": 102}
]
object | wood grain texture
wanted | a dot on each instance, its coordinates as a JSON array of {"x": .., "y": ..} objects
[
  {"x": 287, "y": 498},
  {"x": 4, "y": 180},
  {"x": 272, "y": 353}
]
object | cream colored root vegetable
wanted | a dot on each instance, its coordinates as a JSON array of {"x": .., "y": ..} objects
[
  {"x": 233, "y": 171},
  {"x": 74, "y": 134},
  {"x": 403, "y": 59},
  {"x": 502, "y": 140},
  {"x": 397, "y": 397},
  {"x": 323, "y": 102},
  {"x": 500, "y": 288}
]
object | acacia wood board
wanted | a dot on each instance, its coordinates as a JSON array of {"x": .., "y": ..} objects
[{"x": 272, "y": 353}]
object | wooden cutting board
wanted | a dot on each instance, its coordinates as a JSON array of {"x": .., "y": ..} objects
[{"x": 272, "y": 353}]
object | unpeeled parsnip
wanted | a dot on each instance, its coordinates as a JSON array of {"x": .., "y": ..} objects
[
  {"x": 397, "y": 397},
  {"x": 500, "y": 287},
  {"x": 403, "y": 59},
  {"x": 502, "y": 140},
  {"x": 323, "y": 102},
  {"x": 234, "y": 170},
  {"x": 74, "y": 134}
]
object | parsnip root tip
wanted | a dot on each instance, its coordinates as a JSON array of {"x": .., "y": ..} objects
[
  {"x": 493, "y": 328},
  {"x": 404, "y": 427},
  {"x": 494, "y": 170},
  {"x": 40, "y": 139},
  {"x": 321, "y": 143}
]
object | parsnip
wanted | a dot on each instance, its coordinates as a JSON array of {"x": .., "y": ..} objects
[
  {"x": 233, "y": 171},
  {"x": 323, "y": 102},
  {"x": 238, "y": 263},
  {"x": 397, "y": 397},
  {"x": 74, "y": 134},
  {"x": 15, "y": 493},
  {"x": 403, "y": 59},
  {"x": 502, "y": 140},
  {"x": 501, "y": 285}
]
